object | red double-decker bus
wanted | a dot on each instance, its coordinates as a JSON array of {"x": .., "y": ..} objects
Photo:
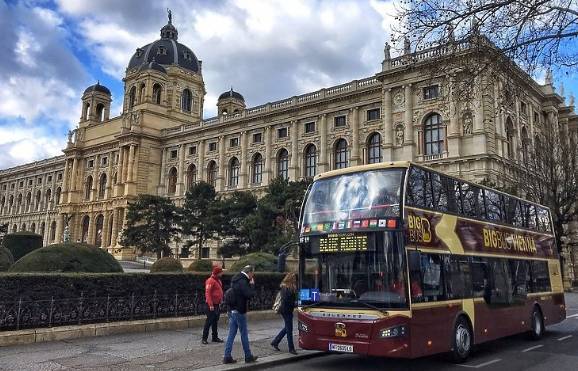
[{"x": 398, "y": 260}]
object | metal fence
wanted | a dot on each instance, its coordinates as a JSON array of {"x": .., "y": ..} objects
[{"x": 21, "y": 314}]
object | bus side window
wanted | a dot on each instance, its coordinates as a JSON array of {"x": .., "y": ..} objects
[
  {"x": 416, "y": 187},
  {"x": 479, "y": 275},
  {"x": 415, "y": 276},
  {"x": 428, "y": 275},
  {"x": 519, "y": 272},
  {"x": 457, "y": 277},
  {"x": 501, "y": 283},
  {"x": 540, "y": 276}
]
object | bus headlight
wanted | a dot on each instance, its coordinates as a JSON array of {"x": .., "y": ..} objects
[
  {"x": 393, "y": 332},
  {"x": 302, "y": 327}
]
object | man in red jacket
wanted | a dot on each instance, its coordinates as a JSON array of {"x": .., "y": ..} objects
[{"x": 213, "y": 297}]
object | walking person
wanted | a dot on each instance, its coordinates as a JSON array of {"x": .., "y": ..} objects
[
  {"x": 287, "y": 306},
  {"x": 214, "y": 298},
  {"x": 237, "y": 297}
]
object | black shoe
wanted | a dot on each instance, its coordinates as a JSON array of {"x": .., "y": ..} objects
[
  {"x": 294, "y": 352},
  {"x": 204, "y": 342},
  {"x": 251, "y": 360},
  {"x": 276, "y": 347},
  {"x": 228, "y": 360},
  {"x": 217, "y": 340}
]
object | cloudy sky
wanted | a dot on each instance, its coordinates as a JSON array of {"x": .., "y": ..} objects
[{"x": 266, "y": 50}]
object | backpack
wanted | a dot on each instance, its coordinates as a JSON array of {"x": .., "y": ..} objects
[
  {"x": 277, "y": 303},
  {"x": 230, "y": 298}
]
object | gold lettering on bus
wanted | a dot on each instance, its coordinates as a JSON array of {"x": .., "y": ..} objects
[
  {"x": 419, "y": 229},
  {"x": 508, "y": 241}
]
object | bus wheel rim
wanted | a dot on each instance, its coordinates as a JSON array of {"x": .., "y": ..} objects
[{"x": 462, "y": 339}]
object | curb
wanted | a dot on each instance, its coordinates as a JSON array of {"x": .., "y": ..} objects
[
  {"x": 267, "y": 362},
  {"x": 44, "y": 334}
]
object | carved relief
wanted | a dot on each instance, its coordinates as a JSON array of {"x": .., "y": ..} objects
[
  {"x": 467, "y": 122},
  {"x": 399, "y": 134},
  {"x": 398, "y": 100}
]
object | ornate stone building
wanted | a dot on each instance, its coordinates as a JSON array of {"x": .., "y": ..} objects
[{"x": 160, "y": 144}]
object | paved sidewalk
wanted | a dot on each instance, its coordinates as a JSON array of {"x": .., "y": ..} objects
[{"x": 163, "y": 350}]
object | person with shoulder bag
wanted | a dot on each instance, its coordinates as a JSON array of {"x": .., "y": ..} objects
[
  {"x": 285, "y": 305},
  {"x": 214, "y": 298}
]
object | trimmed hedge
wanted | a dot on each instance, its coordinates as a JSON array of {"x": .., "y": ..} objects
[
  {"x": 201, "y": 266},
  {"x": 44, "y": 286},
  {"x": 22, "y": 243},
  {"x": 6, "y": 259},
  {"x": 261, "y": 261},
  {"x": 167, "y": 264},
  {"x": 74, "y": 257}
]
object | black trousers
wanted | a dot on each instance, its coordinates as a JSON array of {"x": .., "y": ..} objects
[{"x": 212, "y": 321}]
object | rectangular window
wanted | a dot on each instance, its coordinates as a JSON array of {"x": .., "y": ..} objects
[
  {"x": 234, "y": 142},
  {"x": 530, "y": 216},
  {"x": 479, "y": 277},
  {"x": 373, "y": 114},
  {"x": 523, "y": 108},
  {"x": 257, "y": 138},
  {"x": 457, "y": 277},
  {"x": 174, "y": 154},
  {"x": 416, "y": 187},
  {"x": 501, "y": 285},
  {"x": 540, "y": 276},
  {"x": 425, "y": 275},
  {"x": 4, "y": 187},
  {"x": 309, "y": 127},
  {"x": 59, "y": 176},
  {"x": 282, "y": 133},
  {"x": 104, "y": 161},
  {"x": 212, "y": 146},
  {"x": 339, "y": 121},
  {"x": 39, "y": 181},
  {"x": 49, "y": 179},
  {"x": 205, "y": 251},
  {"x": 431, "y": 92},
  {"x": 520, "y": 278},
  {"x": 90, "y": 163},
  {"x": 21, "y": 184},
  {"x": 543, "y": 219},
  {"x": 192, "y": 150}
]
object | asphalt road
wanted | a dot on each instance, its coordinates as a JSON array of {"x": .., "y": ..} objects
[{"x": 556, "y": 351}]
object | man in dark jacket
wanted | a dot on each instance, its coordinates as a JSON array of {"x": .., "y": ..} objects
[{"x": 243, "y": 285}]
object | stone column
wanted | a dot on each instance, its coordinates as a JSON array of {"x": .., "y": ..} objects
[
  {"x": 161, "y": 186},
  {"x": 125, "y": 162},
  {"x": 323, "y": 144},
  {"x": 59, "y": 229},
  {"x": 454, "y": 126},
  {"x": 91, "y": 229},
  {"x": 181, "y": 171},
  {"x": 221, "y": 180},
  {"x": 267, "y": 174},
  {"x": 294, "y": 168},
  {"x": 73, "y": 180},
  {"x": 109, "y": 185},
  {"x": 408, "y": 117},
  {"x": 243, "y": 175},
  {"x": 355, "y": 159},
  {"x": 104, "y": 235},
  {"x": 201, "y": 163},
  {"x": 387, "y": 125},
  {"x": 114, "y": 240}
]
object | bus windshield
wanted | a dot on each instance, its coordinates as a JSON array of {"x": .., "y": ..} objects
[
  {"x": 369, "y": 272},
  {"x": 368, "y": 194}
]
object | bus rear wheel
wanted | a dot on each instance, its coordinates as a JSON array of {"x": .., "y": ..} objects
[
  {"x": 461, "y": 341},
  {"x": 538, "y": 328}
]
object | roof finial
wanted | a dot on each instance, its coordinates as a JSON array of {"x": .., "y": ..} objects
[
  {"x": 170, "y": 16},
  {"x": 549, "y": 79}
]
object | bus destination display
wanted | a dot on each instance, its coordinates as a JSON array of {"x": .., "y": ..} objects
[{"x": 342, "y": 242}]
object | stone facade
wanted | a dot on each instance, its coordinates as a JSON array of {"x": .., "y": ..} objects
[{"x": 160, "y": 144}]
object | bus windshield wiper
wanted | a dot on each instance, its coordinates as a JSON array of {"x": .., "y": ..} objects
[{"x": 369, "y": 305}]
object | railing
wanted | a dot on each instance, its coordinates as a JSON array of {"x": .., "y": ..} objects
[{"x": 20, "y": 314}]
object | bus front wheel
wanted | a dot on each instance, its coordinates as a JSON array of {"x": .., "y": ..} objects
[
  {"x": 461, "y": 341},
  {"x": 537, "y": 330}
]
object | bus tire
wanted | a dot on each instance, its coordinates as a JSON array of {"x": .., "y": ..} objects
[
  {"x": 537, "y": 324},
  {"x": 461, "y": 341}
]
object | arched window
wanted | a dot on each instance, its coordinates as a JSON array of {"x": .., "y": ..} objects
[
  {"x": 157, "y": 91},
  {"x": 86, "y": 111},
  {"x": 33, "y": 227},
  {"x": 57, "y": 196},
  {"x": 191, "y": 176},
  {"x": 37, "y": 200},
  {"x": 172, "y": 181},
  {"x": 85, "y": 226},
  {"x": 141, "y": 94},
  {"x": 28, "y": 201},
  {"x": 88, "y": 188},
  {"x": 2, "y": 204},
  {"x": 98, "y": 231},
  {"x": 10, "y": 204},
  {"x": 212, "y": 173},
  {"x": 14, "y": 228},
  {"x": 525, "y": 144},
  {"x": 48, "y": 199},
  {"x": 42, "y": 229},
  {"x": 374, "y": 148},
  {"x": 510, "y": 137},
  {"x": 434, "y": 135},
  {"x": 341, "y": 154},
  {"x": 186, "y": 100},
  {"x": 102, "y": 186},
  {"x": 283, "y": 164},
  {"x": 131, "y": 97},
  {"x": 52, "y": 231},
  {"x": 23, "y": 227},
  {"x": 100, "y": 112},
  {"x": 19, "y": 203},
  {"x": 257, "y": 169},
  {"x": 234, "y": 168},
  {"x": 310, "y": 161}
]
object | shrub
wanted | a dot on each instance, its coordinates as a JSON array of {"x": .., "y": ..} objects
[
  {"x": 167, "y": 264},
  {"x": 201, "y": 265},
  {"x": 22, "y": 243},
  {"x": 74, "y": 257},
  {"x": 261, "y": 261},
  {"x": 6, "y": 259}
]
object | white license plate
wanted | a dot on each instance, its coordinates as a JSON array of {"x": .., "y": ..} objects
[{"x": 341, "y": 348}]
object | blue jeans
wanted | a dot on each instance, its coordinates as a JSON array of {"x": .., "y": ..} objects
[
  {"x": 237, "y": 321},
  {"x": 286, "y": 331}
]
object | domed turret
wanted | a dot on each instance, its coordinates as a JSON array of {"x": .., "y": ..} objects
[
  {"x": 96, "y": 101},
  {"x": 230, "y": 102}
]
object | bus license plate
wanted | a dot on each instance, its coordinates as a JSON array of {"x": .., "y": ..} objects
[{"x": 341, "y": 348}]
